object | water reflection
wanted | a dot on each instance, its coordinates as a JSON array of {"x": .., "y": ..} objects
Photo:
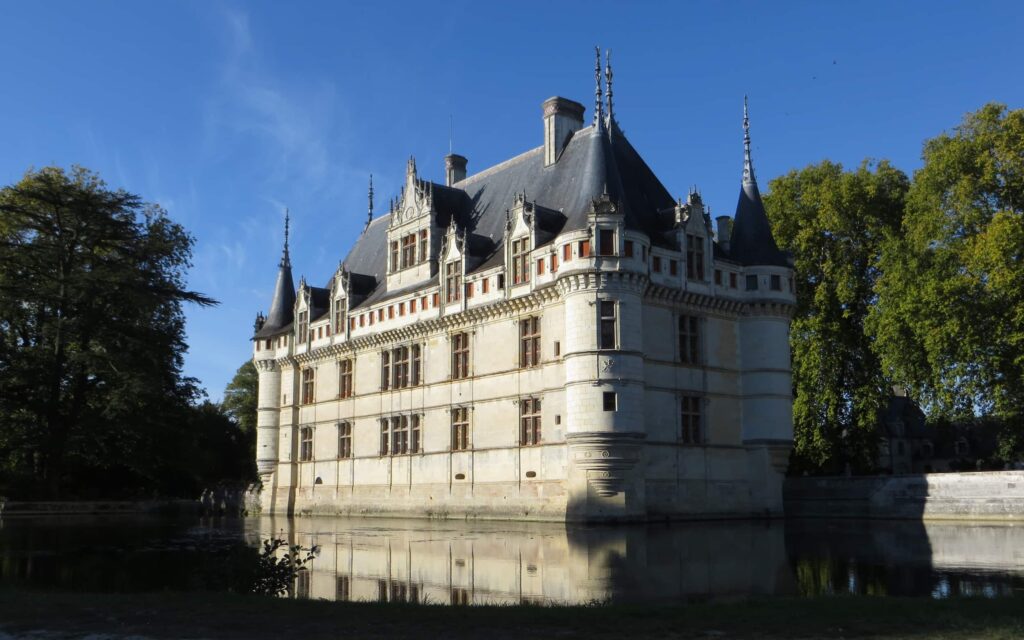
[{"x": 463, "y": 563}]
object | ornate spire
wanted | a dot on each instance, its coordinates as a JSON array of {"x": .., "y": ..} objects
[
  {"x": 748, "y": 164},
  {"x": 608, "y": 83},
  {"x": 369, "y": 214},
  {"x": 599, "y": 106},
  {"x": 286, "y": 260}
]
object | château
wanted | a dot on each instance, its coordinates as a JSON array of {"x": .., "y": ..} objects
[{"x": 556, "y": 337}]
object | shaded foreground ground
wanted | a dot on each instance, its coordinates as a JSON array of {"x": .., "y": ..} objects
[{"x": 44, "y": 614}]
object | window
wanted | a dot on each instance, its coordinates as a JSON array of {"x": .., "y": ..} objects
[
  {"x": 656, "y": 264},
  {"x": 415, "y": 441},
  {"x": 689, "y": 339},
  {"x": 344, "y": 440},
  {"x": 305, "y": 444},
  {"x": 469, "y": 289},
  {"x": 303, "y": 325},
  {"x": 606, "y": 242},
  {"x": 609, "y": 401},
  {"x": 417, "y": 365},
  {"x": 399, "y": 435},
  {"x": 584, "y": 248},
  {"x": 694, "y": 257},
  {"x": 401, "y": 308},
  {"x": 485, "y": 285},
  {"x": 385, "y": 371},
  {"x": 460, "y": 429},
  {"x": 566, "y": 252},
  {"x": 673, "y": 267},
  {"x": 540, "y": 266},
  {"x": 385, "y": 440},
  {"x": 529, "y": 342},
  {"x": 776, "y": 283},
  {"x": 401, "y": 367},
  {"x": 435, "y": 299},
  {"x": 529, "y": 421},
  {"x": 732, "y": 280},
  {"x": 339, "y": 316},
  {"x": 345, "y": 379},
  {"x": 690, "y": 415},
  {"x": 520, "y": 261},
  {"x": 501, "y": 280},
  {"x": 394, "y": 255},
  {"x": 751, "y": 283},
  {"x": 718, "y": 277},
  {"x": 554, "y": 262},
  {"x": 391, "y": 311},
  {"x": 409, "y": 250},
  {"x": 558, "y": 348},
  {"x": 308, "y": 382},
  {"x": 380, "y": 315},
  {"x": 628, "y": 246},
  {"x": 423, "y": 245},
  {"x": 453, "y": 281},
  {"x": 607, "y": 336},
  {"x": 460, "y": 356},
  {"x": 412, "y": 306}
]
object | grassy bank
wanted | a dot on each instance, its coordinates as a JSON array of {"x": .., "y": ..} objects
[{"x": 210, "y": 615}]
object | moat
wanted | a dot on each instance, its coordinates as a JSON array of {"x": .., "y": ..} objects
[{"x": 445, "y": 562}]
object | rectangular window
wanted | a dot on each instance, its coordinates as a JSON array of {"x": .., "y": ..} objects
[
  {"x": 391, "y": 311},
  {"x": 485, "y": 285},
  {"x": 400, "y": 367},
  {"x": 520, "y": 261},
  {"x": 460, "y": 429},
  {"x": 673, "y": 267},
  {"x": 435, "y": 299},
  {"x": 656, "y": 264},
  {"x": 401, "y": 309},
  {"x": 417, "y": 365},
  {"x": 303, "y": 325},
  {"x": 606, "y": 242},
  {"x": 339, "y": 316},
  {"x": 584, "y": 248},
  {"x": 394, "y": 255},
  {"x": 423, "y": 245},
  {"x": 529, "y": 342},
  {"x": 412, "y": 306},
  {"x": 415, "y": 441},
  {"x": 718, "y": 277},
  {"x": 529, "y": 421},
  {"x": 460, "y": 356},
  {"x": 453, "y": 281},
  {"x": 609, "y": 401},
  {"x": 554, "y": 263},
  {"x": 776, "y": 283},
  {"x": 501, "y": 281},
  {"x": 732, "y": 280},
  {"x": 689, "y": 339},
  {"x": 352, "y": 323},
  {"x": 344, "y": 440},
  {"x": 409, "y": 250},
  {"x": 380, "y": 315},
  {"x": 607, "y": 336},
  {"x": 345, "y": 379},
  {"x": 694, "y": 257},
  {"x": 399, "y": 435},
  {"x": 566, "y": 252},
  {"x": 469, "y": 290},
  {"x": 540, "y": 266},
  {"x": 628, "y": 245},
  {"x": 305, "y": 444},
  {"x": 690, "y": 419},
  {"x": 308, "y": 385},
  {"x": 751, "y": 283},
  {"x": 385, "y": 437},
  {"x": 385, "y": 371}
]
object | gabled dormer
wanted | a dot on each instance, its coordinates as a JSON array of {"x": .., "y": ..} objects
[
  {"x": 303, "y": 310},
  {"x": 340, "y": 286},
  {"x": 694, "y": 228},
  {"x": 520, "y": 240},
  {"x": 607, "y": 224},
  {"x": 453, "y": 270},
  {"x": 412, "y": 238}
]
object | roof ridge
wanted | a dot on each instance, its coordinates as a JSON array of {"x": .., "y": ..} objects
[{"x": 501, "y": 165}]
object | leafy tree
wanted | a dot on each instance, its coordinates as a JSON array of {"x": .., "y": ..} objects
[
  {"x": 950, "y": 315},
  {"x": 834, "y": 222},
  {"x": 240, "y": 397},
  {"x": 91, "y": 332}
]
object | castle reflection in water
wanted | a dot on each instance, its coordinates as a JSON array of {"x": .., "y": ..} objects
[{"x": 445, "y": 562}]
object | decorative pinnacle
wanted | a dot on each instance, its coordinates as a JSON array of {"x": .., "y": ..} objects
[
  {"x": 285, "y": 258},
  {"x": 608, "y": 82},
  {"x": 748, "y": 164},
  {"x": 369, "y": 215},
  {"x": 599, "y": 108}
]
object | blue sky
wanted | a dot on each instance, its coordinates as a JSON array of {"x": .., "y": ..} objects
[{"x": 226, "y": 112}]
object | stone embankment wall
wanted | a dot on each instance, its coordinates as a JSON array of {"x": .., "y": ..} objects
[{"x": 992, "y": 495}]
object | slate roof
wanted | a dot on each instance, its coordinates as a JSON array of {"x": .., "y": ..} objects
[
  {"x": 752, "y": 241},
  {"x": 282, "y": 307}
]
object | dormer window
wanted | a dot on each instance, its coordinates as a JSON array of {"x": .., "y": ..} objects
[
  {"x": 408, "y": 250},
  {"x": 394, "y": 255},
  {"x": 339, "y": 316},
  {"x": 303, "y": 325},
  {"x": 520, "y": 261},
  {"x": 694, "y": 257},
  {"x": 453, "y": 281},
  {"x": 423, "y": 246},
  {"x": 606, "y": 242}
]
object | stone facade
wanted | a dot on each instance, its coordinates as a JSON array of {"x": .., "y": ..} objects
[{"x": 554, "y": 338}]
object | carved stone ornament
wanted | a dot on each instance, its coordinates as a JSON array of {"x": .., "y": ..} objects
[{"x": 607, "y": 458}]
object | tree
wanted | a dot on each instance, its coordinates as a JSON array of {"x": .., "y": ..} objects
[
  {"x": 834, "y": 222},
  {"x": 91, "y": 332},
  {"x": 240, "y": 397},
  {"x": 950, "y": 315}
]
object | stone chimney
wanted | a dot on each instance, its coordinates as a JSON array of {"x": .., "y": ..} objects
[
  {"x": 454, "y": 168},
  {"x": 562, "y": 117},
  {"x": 724, "y": 233}
]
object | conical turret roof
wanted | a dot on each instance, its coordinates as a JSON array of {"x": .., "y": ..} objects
[{"x": 282, "y": 307}]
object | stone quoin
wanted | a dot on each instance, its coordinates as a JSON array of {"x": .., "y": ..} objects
[{"x": 555, "y": 337}]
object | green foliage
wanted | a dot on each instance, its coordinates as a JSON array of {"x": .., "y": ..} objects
[
  {"x": 240, "y": 397},
  {"x": 950, "y": 314},
  {"x": 92, "y": 338},
  {"x": 834, "y": 222},
  {"x": 275, "y": 572}
]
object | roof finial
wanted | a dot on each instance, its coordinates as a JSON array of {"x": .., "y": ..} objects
[
  {"x": 748, "y": 164},
  {"x": 286, "y": 260},
  {"x": 608, "y": 82},
  {"x": 599, "y": 109},
  {"x": 369, "y": 214}
]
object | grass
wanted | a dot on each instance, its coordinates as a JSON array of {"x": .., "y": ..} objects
[{"x": 219, "y": 615}]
